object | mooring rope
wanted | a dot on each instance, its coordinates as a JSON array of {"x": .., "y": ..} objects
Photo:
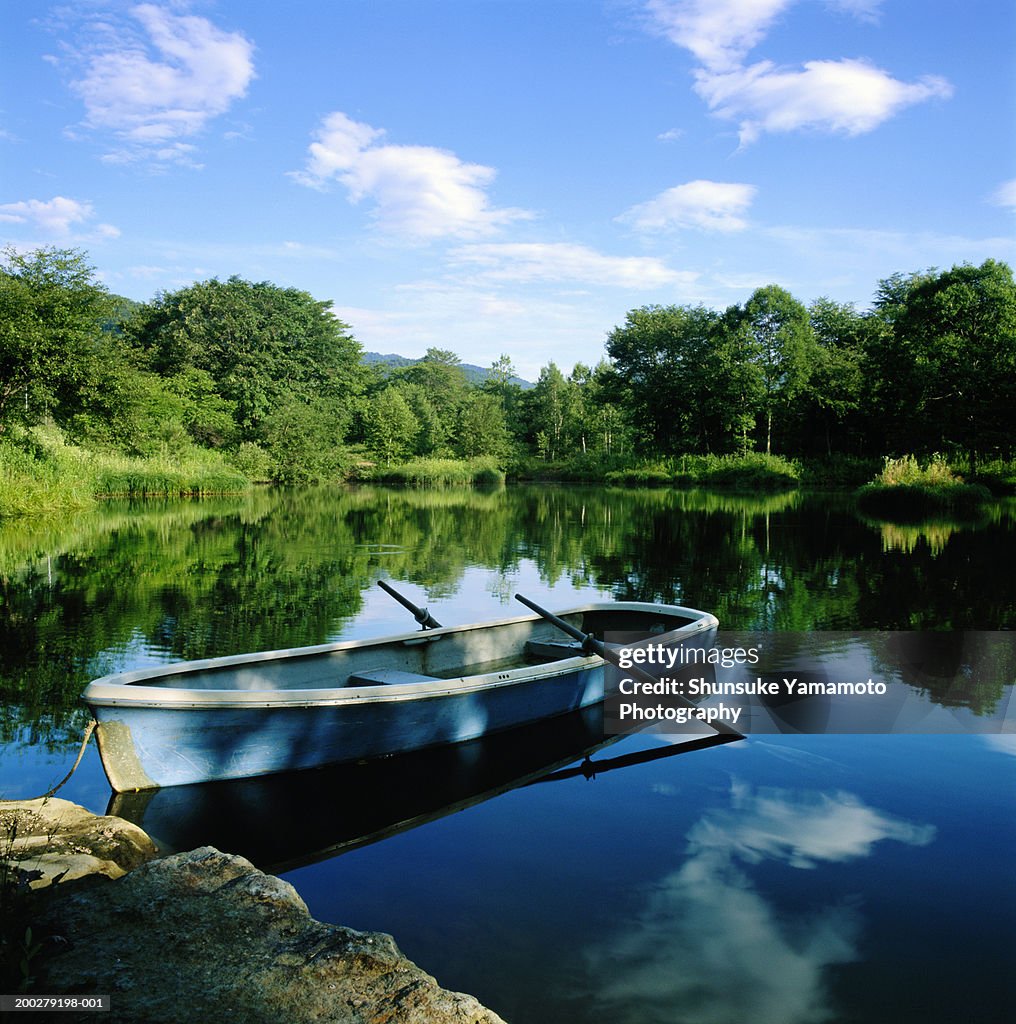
[{"x": 89, "y": 729}]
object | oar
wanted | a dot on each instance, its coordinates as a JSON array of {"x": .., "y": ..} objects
[
  {"x": 610, "y": 653},
  {"x": 590, "y": 768},
  {"x": 426, "y": 620}
]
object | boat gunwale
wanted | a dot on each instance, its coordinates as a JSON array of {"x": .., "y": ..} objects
[{"x": 126, "y": 689}]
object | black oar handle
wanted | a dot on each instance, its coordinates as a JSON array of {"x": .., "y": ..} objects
[
  {"x": 420, "y": 614},
  {"x": 588, "y": 641},
  {"x": 591, "y": 644}
]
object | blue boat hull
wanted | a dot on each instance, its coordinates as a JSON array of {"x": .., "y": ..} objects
[
  {"x": 279, "y": 711},
  {"x": 175, "y": 746}
]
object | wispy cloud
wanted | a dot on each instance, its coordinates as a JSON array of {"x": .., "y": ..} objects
[
  {"x": 1005, "y": 194},
  {"x": 863, "y": 10},
  {"x": 1002, "y": 743},
  {"x": 476, "y": 316},
  {"x": 56, "y": 219},
  {"x": 158, "y": 80},
  {"x": 564, "y": 262},
  {"x": 848, "y": 96},
  {"x": 707, "y": 205},
  {"x": 419, "y": 192}
]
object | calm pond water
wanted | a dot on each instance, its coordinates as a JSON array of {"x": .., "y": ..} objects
[{"x": 784, "y": 878}]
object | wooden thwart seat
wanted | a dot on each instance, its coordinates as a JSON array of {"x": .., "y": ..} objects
[
  {"x": 388, "y": 677},
  {"x": 544, "y": 650}
]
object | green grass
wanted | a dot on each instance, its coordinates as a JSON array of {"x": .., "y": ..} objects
[
  {"x": 838, "y": 471},
  {"x": 907, "y": 491},
  {"x": 42, "y": 475},
  {"x": 998, "y": 475},
  {"x": 479, "y": 472},
  {"x": 116, "y": 476},
  {"x": 754, "y": 471},
  {"x": 31, "y": 484}
]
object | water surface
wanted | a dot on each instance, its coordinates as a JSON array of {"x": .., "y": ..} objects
[{"x": 784, "y": 878}]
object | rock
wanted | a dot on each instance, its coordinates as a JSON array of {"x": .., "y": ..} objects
[
  {"x": 206, "y": 936},
  {"x": 50, "y": 840}
]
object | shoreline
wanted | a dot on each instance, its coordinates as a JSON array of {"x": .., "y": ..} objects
[{"x": 201, "y": 934}]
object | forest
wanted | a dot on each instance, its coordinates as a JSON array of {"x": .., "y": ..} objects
[{"x": 253, "y": 381}]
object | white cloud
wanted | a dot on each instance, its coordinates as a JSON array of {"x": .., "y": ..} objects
[
  {"x": 480, "y": 319},
  {"x": 708, "y": 948},
  {"x": 1002, "y": 743},
  {"x": 1005, "y": 194},
  {"x": 561, "y": 261},
  {"x": 848, "y": 96},
  {"x": 718, "y": 32},
  {"x": 801, "y": 829},
  {"x": 155, "y": 88},
  {"x": 56, "y": 218},
  {"x": 841, "y": 96},
  {"x": 709, "y": 205},
  {"x": 418, "y": 191},
  {"x": 708, "y": 941}
]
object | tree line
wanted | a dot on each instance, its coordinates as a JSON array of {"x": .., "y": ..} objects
[{"x": 272, "y": 379}]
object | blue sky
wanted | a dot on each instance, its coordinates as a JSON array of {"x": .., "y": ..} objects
[{"x": 506, "y": 175}]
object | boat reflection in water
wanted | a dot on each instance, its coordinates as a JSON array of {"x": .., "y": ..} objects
[{"x": 281, "y": 822}]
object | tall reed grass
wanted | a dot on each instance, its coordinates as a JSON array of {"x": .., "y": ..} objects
[
  {"x": 753, "y": 471},
  {"x": 478, "y": 472},
  {"x": 907, "y": 491},
  {"x": 42, "y": 475}
]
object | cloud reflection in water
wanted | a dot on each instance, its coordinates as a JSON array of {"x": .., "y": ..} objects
[{"x": 709, "y": 948}]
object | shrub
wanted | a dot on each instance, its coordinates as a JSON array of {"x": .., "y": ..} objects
[
  {"x": 481, "y": 472},
  {"x": 753, "y": 471},
  {"x": 906, "y": 491},
  {"x": 252, "y": 461}
]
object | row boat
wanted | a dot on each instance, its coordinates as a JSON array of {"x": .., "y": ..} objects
[
  {"x": 247, "y": 715},
  {"x": 292, "y": 819}
]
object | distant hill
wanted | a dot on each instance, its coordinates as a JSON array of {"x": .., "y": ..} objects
[{"x": 474, "y": 374}]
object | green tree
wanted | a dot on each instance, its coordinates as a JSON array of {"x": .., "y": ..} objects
[
  {"x": 955, "y": 335},
  {"x": 389, "y": 426},
  {"x": 550, "y": 412},
  {"x": 607, "y": 396},
  {"x": 500, "y": 382},
  {"x": 482, "y": 428},
  {"x": 304, "y": 441},
  {"x": 729, "y": 402},
  {"x": 836, "y": 387},
  {"x": 122, "y": 408},
  {"x": 52, "y": 313},
  {"x": 661, "y": 355},
  {"x": 261, "y": 345},
  {"x": 440, "y": 377},
  {"x": 209, "y": 418},
  {"x": 783, "y": 348},
  {"x": 433, "y": 432}
]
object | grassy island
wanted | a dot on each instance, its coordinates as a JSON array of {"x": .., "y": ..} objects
[
  {"x": 754, "y": 471},
  {"x": 906, "y": 491}
]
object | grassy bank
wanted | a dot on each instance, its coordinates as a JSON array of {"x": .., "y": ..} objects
[
  {"x": 40, "y": 474},
  {"x": 480, "y": 472},
  {"x": 997, "y": 475},
  {"x": 906, "y": 491},
  {"x": 752, "y": 472}
]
